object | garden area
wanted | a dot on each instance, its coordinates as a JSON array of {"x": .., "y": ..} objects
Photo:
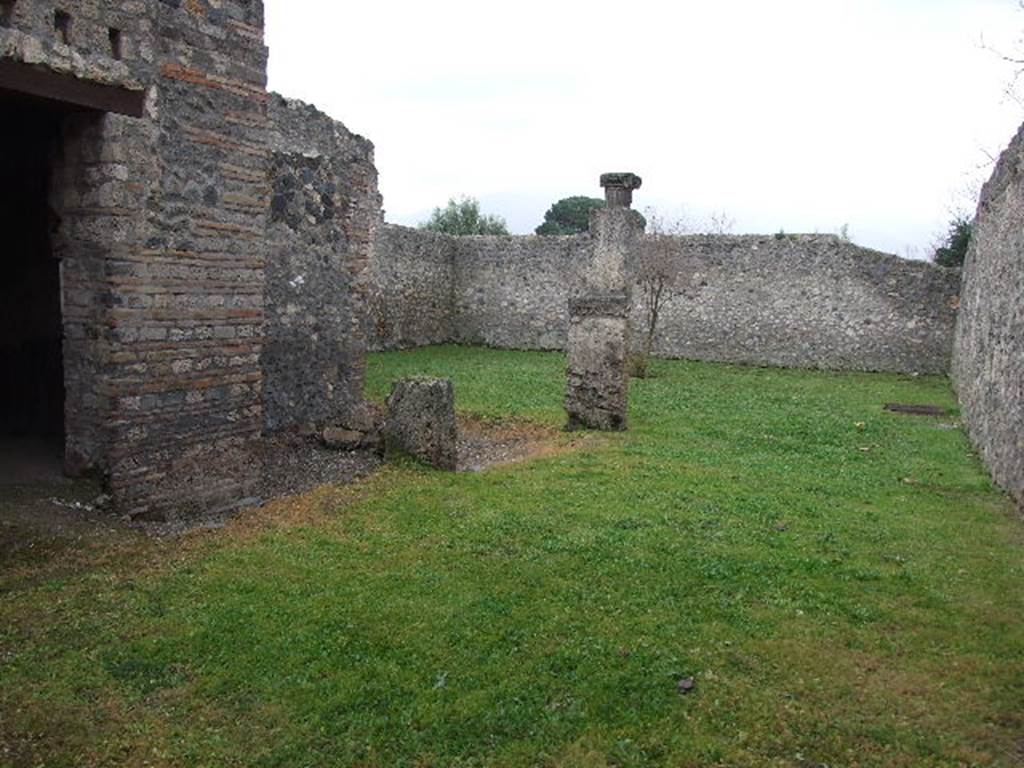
[{"x": 767, "y": 569}]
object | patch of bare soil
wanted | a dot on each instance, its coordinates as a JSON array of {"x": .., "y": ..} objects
[
  {"x": 39, "y": 518},
  {"x": 914, "y": 409},
  {"x": 41, "y": 510},
  {"x": 294, "y": 464},
  {"x": 485, "y": 443},
  {"x": 290, "y": 465}
]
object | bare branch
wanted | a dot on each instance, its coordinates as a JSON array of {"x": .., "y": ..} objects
[
  {"x": 721, "y": 223},
  {"x": 661, "y": 271},
  {"x": 1015, "y": 59}
]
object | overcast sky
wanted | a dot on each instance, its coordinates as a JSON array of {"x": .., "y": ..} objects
[{"x": 801, "y": 115}]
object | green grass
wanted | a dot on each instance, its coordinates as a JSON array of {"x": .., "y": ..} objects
[{"x": 843, "y": 583}]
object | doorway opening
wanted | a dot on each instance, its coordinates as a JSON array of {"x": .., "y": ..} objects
[{"x": 31, "y": 327}]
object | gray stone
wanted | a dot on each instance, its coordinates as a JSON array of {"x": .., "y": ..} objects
[
  {"x": 618, "y": 188},
  {"x": 324, "y": 206},
  {"x": 367, "y": 417},
  {"x": 988, "y": 353},
  {"x": 421, "y": 421},
  {"x": 616, "y": 233},
  {"x": 597, "y": 384},
  {"x": 373, "y": 441}
]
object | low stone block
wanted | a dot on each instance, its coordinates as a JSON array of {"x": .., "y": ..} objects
[{"x": 421, "y": 421}]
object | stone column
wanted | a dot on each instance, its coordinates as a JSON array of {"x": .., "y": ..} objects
[{"x": 598, "y": 344}]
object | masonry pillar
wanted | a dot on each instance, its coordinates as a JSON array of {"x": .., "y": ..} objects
[{"x": 598, "y": 344}]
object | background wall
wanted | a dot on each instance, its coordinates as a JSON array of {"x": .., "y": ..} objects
[
  {"x": 988, "y": 359},
  {"x": 810, "y": 301},
  {"x": 412, "y": 299},
  {"x": 513, "y": 292},
  {"x": 807, "y": 301}
]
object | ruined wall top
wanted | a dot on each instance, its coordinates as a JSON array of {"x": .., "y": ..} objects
[
  {"x": 1008, "y": 169},
  {"x": 297, "y": 127}
]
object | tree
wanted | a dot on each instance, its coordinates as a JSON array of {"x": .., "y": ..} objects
[
  {"x": 661, "y": 272},
  {"x": 463, "y": 217},
  {"x": 658, "y": 272},
  {"x": 569, "y": 216},
  {"x": 952, "y": 250}
]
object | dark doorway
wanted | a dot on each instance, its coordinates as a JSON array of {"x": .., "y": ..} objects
[{"x": 31, "y": 330}]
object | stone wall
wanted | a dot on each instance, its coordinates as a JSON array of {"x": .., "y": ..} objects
[
  {"x": 988, "y": 357},
  {"x": 101, "y": 274},
  {"x": 324, "y": 206},
  {"x": 513, "y": 292},
  {"x": 412, "y": 298},
  {"x": 811, "y": 301},
  {"x": 807, "y": 301},
  {"x": 83, "y": 45}
]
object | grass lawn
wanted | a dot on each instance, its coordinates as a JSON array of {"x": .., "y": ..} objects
[{"x": 843, "y": 584}]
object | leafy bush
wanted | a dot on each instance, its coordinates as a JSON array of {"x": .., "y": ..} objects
[
  {"x": 463, "y": 217},
  {"x": 953, "y": 250}
]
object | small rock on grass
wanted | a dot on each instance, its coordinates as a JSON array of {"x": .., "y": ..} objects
[{"x": 686, "y": 685}]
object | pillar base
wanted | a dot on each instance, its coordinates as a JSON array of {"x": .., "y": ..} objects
[{"x": 598, "y": 376}]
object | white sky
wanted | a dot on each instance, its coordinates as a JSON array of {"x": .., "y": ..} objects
[{"x": 799, "y": 115}]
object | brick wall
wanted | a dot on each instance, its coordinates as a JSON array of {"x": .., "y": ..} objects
[{"x": 185, "y": 376}]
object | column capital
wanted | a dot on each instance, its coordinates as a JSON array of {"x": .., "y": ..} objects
[{"x": 618, "y": 188}]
